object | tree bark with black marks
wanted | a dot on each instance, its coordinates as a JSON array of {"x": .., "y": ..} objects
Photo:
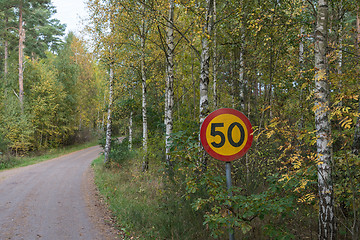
[
  {"x": 356, "y": 142},
  {"x": 21, "y": 57},
  {"x": 323, "y": 129},
  {"x": 145, "y": 165},
  {"x": 204, "y": 72},
  {"x": 169, "y": 90},
  {"x": 109, "y": 117},
  {"x": 215, "y": 61}
]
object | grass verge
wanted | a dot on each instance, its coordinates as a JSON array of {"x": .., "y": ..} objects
[
  {"x": 7, "y": 162},
  {"x": 142, "y": 207}
]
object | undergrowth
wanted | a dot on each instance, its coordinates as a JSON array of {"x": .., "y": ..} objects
[{"x": 143, "y": 207}]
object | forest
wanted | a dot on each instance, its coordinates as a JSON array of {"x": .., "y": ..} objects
[{"x": 152, "y": 70}]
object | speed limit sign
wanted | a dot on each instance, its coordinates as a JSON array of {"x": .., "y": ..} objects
[{"x": 226, "y": 134}]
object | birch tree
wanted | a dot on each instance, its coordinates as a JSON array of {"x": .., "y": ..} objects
[
  {"x": 323, "y": 128},
  {"x": 242, "y": 82},
  {"x": 204, "y": 68},
  {"x": 215, "y": 60},
  {"x": 143, "y": 33},
  {"x": 21, "y": 56},
  {"x": 169, "y": 90},
  {"x": 301, "y": 65},
  {"x": 356, "y": 141},
  {"x": 109, "y": 118},
  {"x": 6, "y": 50}
]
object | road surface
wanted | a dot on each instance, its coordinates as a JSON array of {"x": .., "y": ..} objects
[{"x": 53, "y": 200}]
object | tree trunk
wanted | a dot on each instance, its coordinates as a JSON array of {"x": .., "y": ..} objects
[
  {"x": 356, "y": 143},
  {"x": 130, "y": 129},
  {"x": 358, "y": 30},
  {"x": 169, "y": 91},
  {"x": 6, "y": 53},
  {"x": 232, "y": 80},
  {"x": 340, "y": 54},
  {"x": 322, "y": 123},
  {"x": 204, "y": 72},
  {"x": 241, "y": 71},
  {"x": 21, "y": 58},
  {"x": 145, "y": 165},
  {"x": 301, "y": 64},
  {"x": 194, "y": 83},
  {"x": 271, "y": 77},
  {"x": 215, "y": 61},
  {"x": 109, "y": 118}
]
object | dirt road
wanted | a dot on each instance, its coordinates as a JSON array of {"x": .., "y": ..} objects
[{"x": 52, "y": 200}]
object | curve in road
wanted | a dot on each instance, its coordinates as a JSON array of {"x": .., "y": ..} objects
[{"x": 49, "y": 200}]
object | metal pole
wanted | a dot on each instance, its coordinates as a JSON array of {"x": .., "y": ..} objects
[{"x": 228, "y": 185}]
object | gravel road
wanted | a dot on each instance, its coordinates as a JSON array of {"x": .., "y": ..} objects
[{"x": 53, "y": 200}]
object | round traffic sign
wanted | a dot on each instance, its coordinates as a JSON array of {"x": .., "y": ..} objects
[{"x": 226, "y": 134}]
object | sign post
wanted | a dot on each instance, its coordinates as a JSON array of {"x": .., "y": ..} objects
[
  {"x": 226, "y": 135},
  {"x": 228, "y": 185}
]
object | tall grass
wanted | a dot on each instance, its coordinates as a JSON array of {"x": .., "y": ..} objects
[{"x": 144, "y": 208}]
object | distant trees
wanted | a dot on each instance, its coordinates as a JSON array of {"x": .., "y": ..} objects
[
  {"x": 58, "y": 82},
  {"x": 35, "y": 30}
]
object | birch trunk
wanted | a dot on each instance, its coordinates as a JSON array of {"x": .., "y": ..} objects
[
  {"x": 241, "y": 71},
  {"x": 322, "y": 123},
  {"x": 145, "y": 165},
  {"x": 340, "y": 54},
  {"x": 233, "y": 81},
  {"x": 6, "y": 53},
  {"x": 358, "y": 30},
  {"x": 215, "y": 61},
  {"x": 109, "y": 118},
  {"x": 130, "y": 129},
  {"x": 301, "y": 64},
  {"x": 169, "y": 91},
  {"x": 204, "y": 74},
  {"x": 194, "y": 83},
  {"x": 21, "y": 58},
  {"x": 355, "y": 229},
  {"x": 6, "y": 57},
  {"x": 356, "y": 143},
  {"x": 271, "y": 72}
]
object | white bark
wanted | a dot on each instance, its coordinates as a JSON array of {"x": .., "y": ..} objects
[
  {"x": 322, "y": 123},
  {"x": 144, "y": 103},
  {"x": 109, "y": 119},
  {"x": 215, "y": 60},
  {"x": 242, "y": 83},
  {"x": 169, "y": 90},
  {"x": 130, "y": 129},
  {"x": 356, "y": 143},
  {"x": 358, "y": 31},
  {"x": 204, "y": 74},
  {"x": 301, "y": 51},
  {"x": 340, "y": 54},
  {"x": 205, "y": 62},
  {"x": 355, "y": 229},
  {"x": 6, "y": 53},
  {"x": 301, "y": 63},
  {"x": 21, "y": 57},
  {"x": 233, "y": 82}
]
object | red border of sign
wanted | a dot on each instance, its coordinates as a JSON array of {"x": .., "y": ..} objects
[{"x": 205, "y": 144}]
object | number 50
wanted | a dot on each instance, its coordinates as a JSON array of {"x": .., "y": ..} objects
[{"x": 215, "y": 132}]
